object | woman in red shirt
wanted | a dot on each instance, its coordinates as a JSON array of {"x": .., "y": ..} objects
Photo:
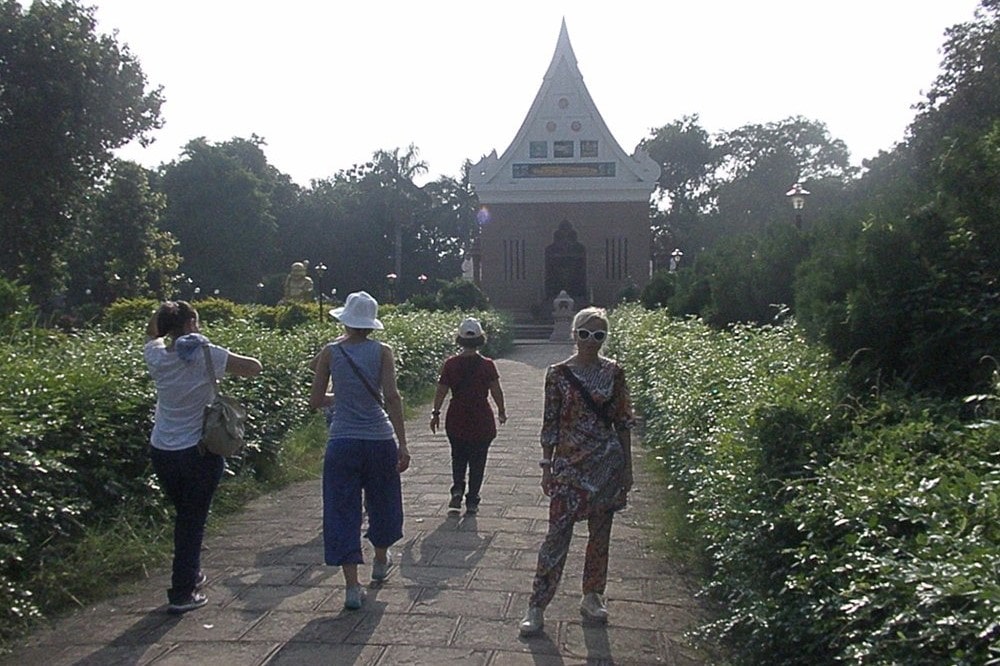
[{"x": 469, "y": 424}]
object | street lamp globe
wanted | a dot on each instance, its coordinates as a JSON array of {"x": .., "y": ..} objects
[
  {"x": 675, "y": 259},
  {"x": 797, "y": 195}
]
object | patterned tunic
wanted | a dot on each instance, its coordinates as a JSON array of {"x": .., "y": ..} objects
[{"x": 587, "y": 459}]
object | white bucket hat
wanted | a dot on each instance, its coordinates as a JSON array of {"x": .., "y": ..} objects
[
  {"x": 470, "y": 328},
  {"x": 360, "y": 310}
]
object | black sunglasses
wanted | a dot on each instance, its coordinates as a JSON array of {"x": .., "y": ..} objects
[{"x": 584, "y": 334}]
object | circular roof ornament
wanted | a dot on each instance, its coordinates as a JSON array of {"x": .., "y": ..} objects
[{"x": 550, "y": 126}]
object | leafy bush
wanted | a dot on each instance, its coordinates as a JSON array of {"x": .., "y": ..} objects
[
  {"x": 900, "y": 557},
  {"x": 836, "y": 531},
  {"x": 16, "y": 310},
  {"x": 458, "y": 294},
  {"x": 423, "y": 301},
  {"x": 660, "y": 289},
  {"x": 286, "y": 315},
  {"x": 125, "y": 312},
  {"x": 743, "y": 279},
  {"x": 219, "y": 310},
  {"x": 462, "y": 295}
]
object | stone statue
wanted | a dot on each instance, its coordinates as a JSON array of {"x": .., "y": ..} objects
[
  {"x": 562, "y": 317},
  {"x": 298, "y": 285}
]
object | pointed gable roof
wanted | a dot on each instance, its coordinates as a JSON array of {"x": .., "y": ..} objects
[{"x": 564, "y": 151}]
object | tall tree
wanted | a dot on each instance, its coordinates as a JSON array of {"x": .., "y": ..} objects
[
  {"x": 734, "y": 182},
  {"x": 921, "y": 299},
  {"x": 120, "y": 252},
  {"x": 964, "y": 100},
  {"x": 760, "y": 161},
  {"x": 68, "y": 98},
  {"x": 372, "y": 220},
  {"x": 221, "y": 206},
  {"x": 383, "y": 208},
  {"x": 688, "y": 160}
]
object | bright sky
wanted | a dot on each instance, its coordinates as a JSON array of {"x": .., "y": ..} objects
[{"x": 326, "y": 83}]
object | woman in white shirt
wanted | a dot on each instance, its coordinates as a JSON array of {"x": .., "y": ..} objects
[{"x": 187, "y": 474}]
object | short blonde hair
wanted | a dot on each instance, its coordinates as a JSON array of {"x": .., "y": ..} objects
[{"x": 589, "y": 314}]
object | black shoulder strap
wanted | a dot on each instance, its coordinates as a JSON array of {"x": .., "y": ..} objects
[
  {"x": 361, "y": 376},
  {"x": 600, "y": 410}
]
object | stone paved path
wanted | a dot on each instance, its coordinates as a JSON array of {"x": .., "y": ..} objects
[{"x": 456, "y": 595}]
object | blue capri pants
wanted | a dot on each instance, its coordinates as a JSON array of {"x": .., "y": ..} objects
[{"x": 356, "y": 470}]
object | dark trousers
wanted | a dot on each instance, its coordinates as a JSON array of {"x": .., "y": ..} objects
[
  {"x": 356, "y": 471},
  {"x": 189, "y": 479},
  {"x": 471, "y": 456}
]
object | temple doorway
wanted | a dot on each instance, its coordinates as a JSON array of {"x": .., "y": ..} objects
[{"x": 566, "y": 265}]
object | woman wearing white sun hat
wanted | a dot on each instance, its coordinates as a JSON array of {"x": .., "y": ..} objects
[{"x": 362, "y": 460}]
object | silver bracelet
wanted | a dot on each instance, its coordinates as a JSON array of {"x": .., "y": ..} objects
[{"x": 545, "y": 462}]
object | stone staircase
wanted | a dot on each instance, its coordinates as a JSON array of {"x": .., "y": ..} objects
[
  {"x": 528, "y": 328},
  {"x": 532, "y": 331}
]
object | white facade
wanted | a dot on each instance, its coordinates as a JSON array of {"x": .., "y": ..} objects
[{"x": 563, "y": 151}]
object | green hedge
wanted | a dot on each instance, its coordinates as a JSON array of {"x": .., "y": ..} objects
[
  {"x": 836, "y": 530},
  {"x": 76, "y": 414}
]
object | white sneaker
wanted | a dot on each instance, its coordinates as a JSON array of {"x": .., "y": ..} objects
[
  {"x": 380, "y": 570},
  {"x": 593, "y": 607},
  {"x": 533, "y": 621},
  {"x": 354, "y": 596}
]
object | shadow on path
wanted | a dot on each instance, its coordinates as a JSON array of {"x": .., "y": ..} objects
[
  {"x": 132, "y": 645},
  {"x": 338, "y": 639},
  {"x": 447, "y": 553}
]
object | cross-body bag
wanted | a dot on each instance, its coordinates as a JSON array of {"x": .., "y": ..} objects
[
  {"x": 364, "y": 380},
  {"x": 224, "y": 420},
  {"x": 600, "y": 410}
]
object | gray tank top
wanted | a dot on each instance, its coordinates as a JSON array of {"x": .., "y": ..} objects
[{"x": 356, "y": 412}]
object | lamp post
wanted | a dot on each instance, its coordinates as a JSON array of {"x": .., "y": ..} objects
[
  {"x": 675, "y": 259},
  {"x": 391, "y": 279},
  {"x": 798, "y": 196},
  {"x": 320, "y": 272}
]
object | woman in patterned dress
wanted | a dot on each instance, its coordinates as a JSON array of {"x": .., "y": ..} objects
[{"x": 586, "y": 466}]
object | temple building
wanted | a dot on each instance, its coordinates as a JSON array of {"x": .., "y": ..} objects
[{"x": 564, "y": 208}]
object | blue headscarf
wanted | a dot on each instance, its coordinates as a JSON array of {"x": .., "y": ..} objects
[{"x": 188, "y": 345}]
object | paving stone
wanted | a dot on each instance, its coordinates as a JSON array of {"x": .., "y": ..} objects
[
  {"x": 398, "y": 655},
  {"x": 299, "y": 654},
  {"x": 309, "y": 627},
  {"x": 213, "y": 624},
  {"x": 223, "y": 653},
  {"x": 392, "y": 595},
  {"x": 403, "y": 629},
  {"x": 486, "y": 634},
  {"x": 280, "y": 597},
  {"x": 463, "y": 603},
  {"x": 551, "y": 658},
  {"x": 611, "y": 643}
]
